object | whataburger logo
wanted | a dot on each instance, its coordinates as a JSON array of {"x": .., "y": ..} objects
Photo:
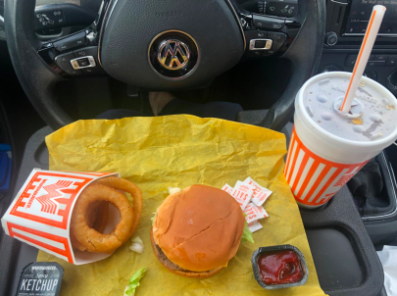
[
  {"x": 48, "y": 198},
  {"x": 47, "y": 201}
]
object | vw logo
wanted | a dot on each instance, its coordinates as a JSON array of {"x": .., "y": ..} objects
[{"x": 173, "y": 54}]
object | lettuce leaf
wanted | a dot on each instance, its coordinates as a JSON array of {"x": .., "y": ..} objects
[
  {"x": 134, "y": 282},
  {"x": 154, "y": 216},
  {"x": 247, "y": 234}
]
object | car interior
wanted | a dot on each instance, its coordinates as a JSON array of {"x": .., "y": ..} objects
[{"x": 66, "y": 60}]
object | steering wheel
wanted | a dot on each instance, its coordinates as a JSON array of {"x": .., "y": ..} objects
[{"x": 163, "y": 45}]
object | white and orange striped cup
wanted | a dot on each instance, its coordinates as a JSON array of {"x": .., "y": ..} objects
[{"x": 328, "y": 147}]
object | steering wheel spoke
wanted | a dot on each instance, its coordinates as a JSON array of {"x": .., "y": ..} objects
[
  {"x": 267, "y": 36},
  {"x": 287, "y": 38},
  {"x": 41, "y": 65},
  {"x": 73, "y": 55},
  {"x": 78, "y": 53},
  {"x": 36, "y": 77}
]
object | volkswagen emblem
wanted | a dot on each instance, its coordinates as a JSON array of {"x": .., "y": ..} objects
[{"x": 173, "y": 54}]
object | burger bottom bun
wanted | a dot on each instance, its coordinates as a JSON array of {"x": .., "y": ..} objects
[{"x": 175, "y": 268}]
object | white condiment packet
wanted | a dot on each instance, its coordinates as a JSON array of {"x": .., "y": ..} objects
[
  {"x": 227, "y": 188},
  {"x": 241, "y": 194},
  {"x": 260, "y": 194},
  {"x": 245, "y": 186},
  {"x": 254, "y": 226},
  {"x": 254, "y": 212}
]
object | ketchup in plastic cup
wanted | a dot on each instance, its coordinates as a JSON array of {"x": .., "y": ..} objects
[
  {"x": 278, "y": 267},
  {"x": 328, "y": 147}
]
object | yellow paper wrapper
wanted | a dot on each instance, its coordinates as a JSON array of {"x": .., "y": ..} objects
[{"x": 179, "y": 151}]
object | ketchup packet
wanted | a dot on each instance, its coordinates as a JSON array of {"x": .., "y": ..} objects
[
  {"x": 40, "y": 279},
  {"x": 260, "y": 194},
  {"x": 254, "y": 226},
  {"x": 241, "y": 194},
  {"x": 254, "y": 212}
]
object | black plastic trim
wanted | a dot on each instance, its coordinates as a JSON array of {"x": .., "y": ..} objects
[
  {"x": 36, "y": 77},
  {"x": 341, "y": 213}
]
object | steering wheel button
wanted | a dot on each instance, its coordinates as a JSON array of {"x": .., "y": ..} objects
[
  {"x": 71, "y": 41},
  {"x": 278, "y": 39},
  {"x": 83, "y": 62},
  {"x": 260, "y": 44},
  {"x": 87, "y": 51},
  {"x": 63, "y": 62},
  {"x": 80, "y": 53},
  {"x": 262, "y": 22},
  {"x": 261, "y": 34}
]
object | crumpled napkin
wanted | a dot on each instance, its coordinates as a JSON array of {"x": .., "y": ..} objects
[{"x": 388, "y": 258}]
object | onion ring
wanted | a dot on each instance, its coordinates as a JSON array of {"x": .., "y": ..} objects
[
  {"x": 96, "y": 217},
  {"x": 90, "y": 238},
  {"x": 131, "y": 188},
  {"x": 102, "y": 216},
  {"x": 76, "y": 244},
  {"x": 91, "y": 216}
]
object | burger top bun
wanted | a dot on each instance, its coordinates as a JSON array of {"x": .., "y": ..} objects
[{"x": 199, "y": 228}]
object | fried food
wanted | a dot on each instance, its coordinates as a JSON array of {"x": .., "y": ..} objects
[
  {"x": 100, "y": 220},
  {"x": 91, "y": 212},
  {"x": 131, "y": 188},
  {"x": 76, "y": 244},
  {"x": 97, "y": 218},
  {"x": 90, "y": 238}
]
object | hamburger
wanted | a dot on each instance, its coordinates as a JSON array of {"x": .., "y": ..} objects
[{"x": 198, "y": 230}]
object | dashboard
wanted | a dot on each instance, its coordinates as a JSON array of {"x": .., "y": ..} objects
[
  {"x": 359, "y": 13},
  {"x": 347, "y": 21}
]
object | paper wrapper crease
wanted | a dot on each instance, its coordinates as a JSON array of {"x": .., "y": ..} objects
[{"x": 178, "y": 151}]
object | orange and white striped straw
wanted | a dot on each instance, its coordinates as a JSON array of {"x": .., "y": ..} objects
[{"x": 365, "y": 51}]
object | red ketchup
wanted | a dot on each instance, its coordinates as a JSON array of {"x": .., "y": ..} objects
[{"x": 280, "y": 267}]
